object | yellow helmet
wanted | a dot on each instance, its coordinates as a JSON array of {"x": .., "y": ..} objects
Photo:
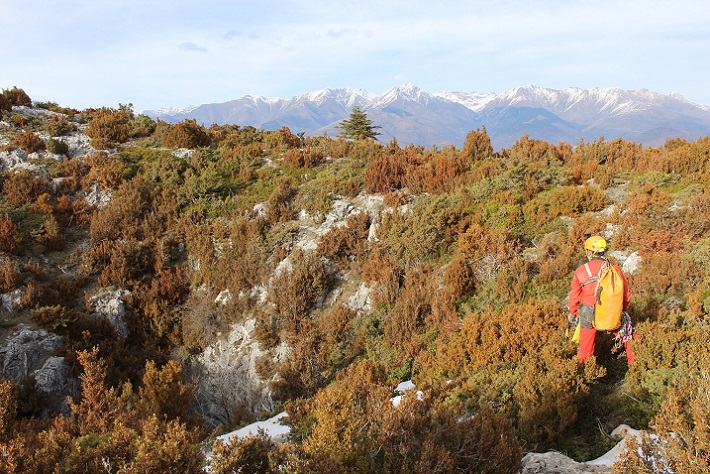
[{"x": 595, "y": 244}]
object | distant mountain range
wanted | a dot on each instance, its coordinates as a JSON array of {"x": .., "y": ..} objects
[{"x": 412, "y": 115}]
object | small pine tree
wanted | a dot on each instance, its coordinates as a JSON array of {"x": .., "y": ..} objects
[{"x": 358, "y": 126}]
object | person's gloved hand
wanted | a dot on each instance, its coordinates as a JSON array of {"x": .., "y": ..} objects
[{"x": 572, "y": 319}]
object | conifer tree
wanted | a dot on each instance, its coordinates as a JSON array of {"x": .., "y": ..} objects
[{"x": 358, "y": 126}]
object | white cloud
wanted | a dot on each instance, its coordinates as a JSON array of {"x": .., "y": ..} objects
[
  {"x": 291, "y": 47},
  {"x": 191, "y": 47}
]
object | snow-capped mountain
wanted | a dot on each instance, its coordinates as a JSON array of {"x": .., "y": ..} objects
[{"x": 413, "y": 115}]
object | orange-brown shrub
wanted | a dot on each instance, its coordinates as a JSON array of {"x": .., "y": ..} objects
[
  {"x": 555, "y": 267},
  {"x": 379, "y": 269},
  {"x": 491, "y": 337},
  {"x": 679, "y": 441},
  {"x": 294, "y": 291},
  {"x": 395, "y": 198},
  {"x": 29, "y": 142},
  {"x": 303, "y": 370},
  {"x": 44, "y": 204},
  {"x": 662, "y": 240},
  {"x": 487, "y": 249},
  {"x": 697, "y": 217},
  {"x": 582, "y": 228},
  {"x": 386, "y": 172},
  {"x": 19, "y": 120},
  {"x": 339, "y": 425},
  {"x": 485, "y": 170},
  {"x": 348, "y": 242},
  {"x": 575, "y": 200},
  {"x": 535, "y": 151},
  {"x": 512, "y": 280},
  {"x": 52, "y": 237},
  {"x": 308, "y": 157},
  {"x": 648, "y": 200},
  {"x": 24, "y": 186},
  {"x": 174, "y": 286},
  {"x": 519, "y": 361},
  {"x": 120, "y": 431},
  {"x": 122, "y": 263},
  {"x": 477, "y": 146},
  {"x": 437, "y": 173},
  {"x": 108, "y": 128},
  {"x": 10, "y": 277},
  {"x": 9, "y": 235},
  {"x": 33, "y": 296},
  {"x": 604, "y": 177},
  {"x": 693, "y": 160},
  {"x": 337, "y": 148},
  {"x": 430, "y": 433},
  {"x": 335, "y": 330},
  {"x": 666, "y": 274},
  {"x": 55, "y": 317},
  {"x": 8, "y": 411},
  {"x": 255, "y": 453},
  {"x": 279, "y": 207},
  {"x": 103, "y": 170},
  {"x": 288, "y": 139},
  {"x": 583, "y": 172},
  {"x": 410, "y": 310},
  {"x": 459, "y": 278},
  {"x": 186, "y": 134},
  {"x": 163, "y": 391}
]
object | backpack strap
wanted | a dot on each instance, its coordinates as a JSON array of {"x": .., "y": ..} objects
[
  {"x": 592, "y": 278},
  {"x": 597, "y": 291}
]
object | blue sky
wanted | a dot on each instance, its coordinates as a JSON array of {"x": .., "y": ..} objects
[{"x": 92, "y": 53}]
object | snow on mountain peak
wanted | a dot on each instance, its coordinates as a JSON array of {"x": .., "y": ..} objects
[
  {"x": 346, "y": 95},
  {"x": 407, "y": 92}
]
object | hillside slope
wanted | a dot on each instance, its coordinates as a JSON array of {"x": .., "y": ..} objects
[{"x": 197, "y": 279}]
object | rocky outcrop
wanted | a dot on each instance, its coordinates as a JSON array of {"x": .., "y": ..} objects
[
  {"x": 226, "y": 377},
  {"x": 52, "y": 380},
  {"x": 109, "y": 305},
  {"x": 11, "y": 300},
  {"x": 98, "y": 197},
  {"x": 52, "y": 377},
  {"x": 26, "y": 351},
  {"x": 553, "y": 462}
]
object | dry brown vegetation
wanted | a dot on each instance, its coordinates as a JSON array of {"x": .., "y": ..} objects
[{"x": 467, "y": 273}]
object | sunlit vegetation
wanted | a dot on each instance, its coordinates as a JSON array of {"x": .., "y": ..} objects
[{"x": 467, "y": 268}]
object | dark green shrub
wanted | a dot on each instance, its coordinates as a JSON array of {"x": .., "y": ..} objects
[
  {"x": 5, "y": 105},
  {"x": 54, "y": 107},
  {"x": 17, "y": 97},
  {"x": 58, "y": 126},
  {"x": 57, "y": 147},
  {"x": 141, "y": 126}
]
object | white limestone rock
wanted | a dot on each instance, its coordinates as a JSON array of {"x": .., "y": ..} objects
[
  {"x": 24, "y": 352},
  {"x": 109, "y": 305}
]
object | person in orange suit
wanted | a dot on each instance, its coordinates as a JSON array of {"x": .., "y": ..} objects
[{"x": 582, "y": 298}]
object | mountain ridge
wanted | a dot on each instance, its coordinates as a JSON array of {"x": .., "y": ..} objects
[{"x": 414, "y": 116}]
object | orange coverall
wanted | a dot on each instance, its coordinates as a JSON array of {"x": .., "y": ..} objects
[{"x": 582, "y": 294}]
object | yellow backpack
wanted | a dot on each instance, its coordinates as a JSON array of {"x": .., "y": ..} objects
[{"x": 609, "y": 297}]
